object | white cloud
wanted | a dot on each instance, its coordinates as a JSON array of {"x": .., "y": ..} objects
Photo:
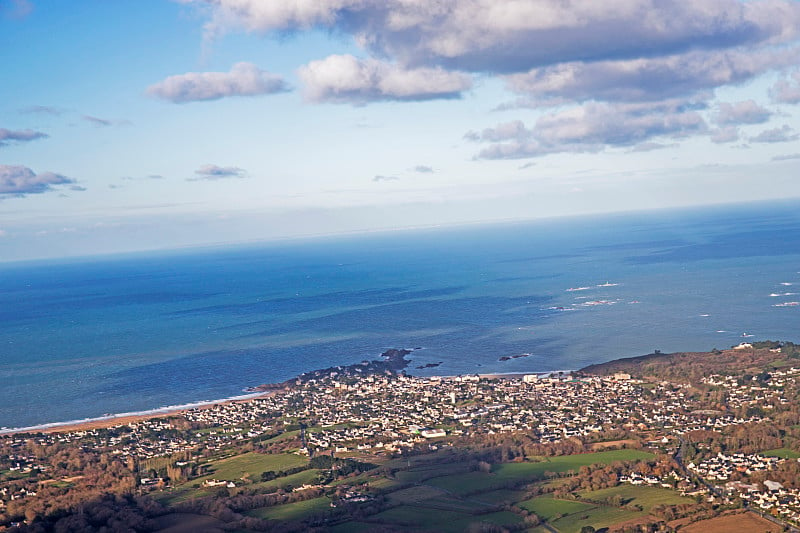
[
  {"x": 347, "y": 79},
  {"x": 590, "y": 128},
  {"x": 244, "y": 79},
  {"x": 502, "y": 132},
  {"x": 550, "y": 53},
  {"x": 728, "y": 134},
  {"x": 384, "y": 178},
  {"x": 746, "y": 112},
  {"x": 21, "y": 181},
  {"x": 787, "y": 90},
  {"x": 105, "y": 122},
  {"x": 7, "y": 136},
  {"x": 514, "y": 36},
  {"x": 776, "y": 135},
  {"x": 43, "y": 110},
  {"x": 650, "y": 146},
  {"x": 648, "y": 78},
  {"x": 214, "y": 172}
]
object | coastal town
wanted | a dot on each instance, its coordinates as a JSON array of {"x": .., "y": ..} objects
[{"x": 713, "y": 440}]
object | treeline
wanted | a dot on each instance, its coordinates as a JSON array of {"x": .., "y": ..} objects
[{"x": 78, "y": 476}]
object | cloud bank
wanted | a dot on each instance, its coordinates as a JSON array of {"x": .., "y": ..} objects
[
  {"x": 504, "y": 36},
  {"x": 629, "y": 73}
]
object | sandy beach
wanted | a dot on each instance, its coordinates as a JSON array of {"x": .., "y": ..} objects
[{"x": 111, "y": 421}]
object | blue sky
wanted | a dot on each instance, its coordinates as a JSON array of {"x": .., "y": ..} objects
[{"x": 146, "y": 125}]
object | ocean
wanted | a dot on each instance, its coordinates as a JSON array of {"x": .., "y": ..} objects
[{"x": 117, "y": 334}]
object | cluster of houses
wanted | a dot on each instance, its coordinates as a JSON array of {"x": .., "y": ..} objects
[
  {"x": 390, "y": 412},
  {"x": 722, "y": 467},
  {"x": 764, "y": 391},
  {"x": 770, "y": 497},
  {"x": 18, "y": 465},
  {"x": 376, "y": 411},
  {"x": 773, "y": 498}
]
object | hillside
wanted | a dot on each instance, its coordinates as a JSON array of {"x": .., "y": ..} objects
[{"x": 689, "y": 366}]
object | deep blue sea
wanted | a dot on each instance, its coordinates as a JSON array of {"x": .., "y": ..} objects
[{"x": 85, "y": 337}]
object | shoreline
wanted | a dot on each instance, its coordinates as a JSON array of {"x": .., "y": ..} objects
[
  {"x": 100, "y": 422},
  {"x": 129, "y": 417}
]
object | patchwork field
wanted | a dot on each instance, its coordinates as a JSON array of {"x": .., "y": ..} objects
[
  {"x": 252, "y": 465},
  {"x": 646, "y": 497},
  {"x": 293, "y": 511},
  {"x": 508, "y": 474},
  {"x": 248, "y": 466},
  {"x": 571, "y": 515},
  {"x": 549, "y": 508},
  {"x": 428, "y": 495},
  {"x": 598, "y": 517},
  {"x": 424, "y": 519}
]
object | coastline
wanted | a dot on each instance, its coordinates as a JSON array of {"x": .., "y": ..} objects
[
  {"x": 117, "y": 419},
  {"x": 127, "y": 418},
  {"x": 393, "y": 360}
]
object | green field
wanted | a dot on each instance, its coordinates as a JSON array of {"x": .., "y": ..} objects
[
  {"x": 352, "y": 527},
  {"x": 579, "y": 514},
  {"x": 449, "y": 503},
  {"x": 414, "y": 494},
  {"x": 295, "y": 480},
  {"x": 647, "y": 497},
  {"x": 783, "y": 453},
  {"x": 598, "y": 517},
  {"x": 507, "y": 474},
  {"x": 252, "y": 465},
  {"x": 8, "y": 475},
  {"x": 294, "y": 511},
  {"x": 421, "y": 473},
  {"x": 462, "y": 484},
  {"x": 500, "y": 496},
  {"x": 548, "y": 508},
  {"x": 500, "y": 518},
  {"x": 408, "y": 516},
  {"x": 188, "y": 490}
]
